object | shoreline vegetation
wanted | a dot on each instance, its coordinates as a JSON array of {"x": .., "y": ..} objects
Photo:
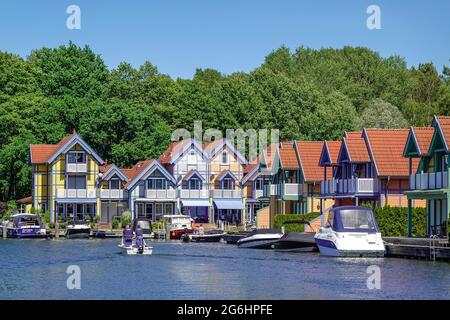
[{"x": 128, "y": 114}]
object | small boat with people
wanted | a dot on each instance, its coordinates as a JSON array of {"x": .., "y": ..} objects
[
  {"x": 25, "y": 225},
  {"x": 146, "y": 227},
  {"x": 178, "y": 225},
  {"x": 133, "y": 243},
  {"x": 351, "y": 231},
  {"x": 78, "y": 229},
  {"x": 260, "y": 239}
]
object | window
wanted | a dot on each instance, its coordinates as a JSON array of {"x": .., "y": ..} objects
[
  {"x": 149, "y": 211},
  {"x": 153, "y": 184},
  {"x": 76, "y": 157},
  {"x": 69, "y": 211},
  {"x": 224, "y": 157},
  {"x": 43, "y": 207},
  {"x": 228, "y": 184},
  {"x": 258, "y": 184},
  {"x": 90, "y": 210},
  {"x": 114, "y": 184},
  {"x": 195, "y": 184},
  {"x": 76, "y": 182},
  {"x": 159, "y": 211},
  {"x": 169, "y": 208},
  {"x": 60, "y": 211}
]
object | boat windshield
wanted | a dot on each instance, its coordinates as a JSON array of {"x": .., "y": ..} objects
[
  {"x": 355, "y": 220},
  {"x": 143, "y": 224},
  {"x": 28, "y": 221}
]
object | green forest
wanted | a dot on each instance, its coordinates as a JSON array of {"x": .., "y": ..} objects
[{"x": 128, "y": 114}]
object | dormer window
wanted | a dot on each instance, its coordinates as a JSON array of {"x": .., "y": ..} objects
[
  {"x": 76, "y": 157},
  {"x": 224, "y": 157},
  {"x": 228, "y": 184},
  {"x": 195, "y": 184},
  {"x": 114, "y": 184}
]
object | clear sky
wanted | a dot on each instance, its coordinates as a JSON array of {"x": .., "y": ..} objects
[{"x": 228, "y": 35}]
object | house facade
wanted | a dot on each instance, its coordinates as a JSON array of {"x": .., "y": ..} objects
[
  {"x": 429, "y": 181},
  {"x": 65, "y": 178}
]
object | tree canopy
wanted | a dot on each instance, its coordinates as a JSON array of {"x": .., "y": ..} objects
[{"x": 128, "y": 114}]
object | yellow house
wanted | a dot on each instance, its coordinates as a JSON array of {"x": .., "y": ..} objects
[
  {"x": 65, "y": 178},
  {"x": 226, "y": 170}
]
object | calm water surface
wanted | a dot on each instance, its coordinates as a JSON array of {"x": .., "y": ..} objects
[{"x": 36, "y": 269}]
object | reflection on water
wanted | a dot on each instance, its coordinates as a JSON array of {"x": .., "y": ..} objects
[{"x": 36, "y": 269}]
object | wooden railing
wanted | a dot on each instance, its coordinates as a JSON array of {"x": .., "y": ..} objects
[
  {"x": 428, "y": 181},
  {"x": 349, "y": 186}
]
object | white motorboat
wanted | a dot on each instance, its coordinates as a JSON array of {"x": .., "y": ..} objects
[
  {"x": 178, "y": 225},
  {"x": 261, "y": 239},
  {"x": 78, "y": 230},
  {"x": 351, "y": 231},
  {"x": 134, "y": 246}
]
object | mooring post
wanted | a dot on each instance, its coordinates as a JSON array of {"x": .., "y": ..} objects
[
  {"x": 56, "y": 230},
  {"x": 4, "y": 231}
]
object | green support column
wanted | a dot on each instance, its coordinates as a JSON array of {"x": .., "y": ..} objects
[{"x": 410, "y": 205}]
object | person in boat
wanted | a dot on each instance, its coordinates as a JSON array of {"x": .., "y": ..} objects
[{"x": 201, "y": 230}]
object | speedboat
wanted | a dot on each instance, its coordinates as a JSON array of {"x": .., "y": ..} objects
[
  {"x": 351, "y": 231},
  {"x": 296, "y": 242},
  {"x": 178, "y": 225},
  {"x": 146, "y": 227},
  {"x": 25, "y": 225},
  {"x": 78, "y": 229},
  {"x": 261, "y": 239},
  {"x": 136, "y": 246},
  {"x": 208, "y": 236}
]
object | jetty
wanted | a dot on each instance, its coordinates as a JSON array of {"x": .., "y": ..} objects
[{"x": 433, "y": 249}]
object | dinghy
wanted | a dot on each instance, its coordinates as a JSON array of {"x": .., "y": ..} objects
[{"x": 136, "y": 246}]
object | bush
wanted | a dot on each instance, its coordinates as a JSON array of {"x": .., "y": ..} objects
[
  {"x": 126, "y": 219},
  {"x": 393, "y": 221},
  {"x": 46, "y": 217},
  {"x": 115, "y": 223},
  {"x": 297, "y": 227}
]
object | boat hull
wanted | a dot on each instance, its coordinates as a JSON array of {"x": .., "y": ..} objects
[
  {"x": 258, "y": 242},
  {"x": 78, "y": 233},
  {"x": 328, "y": 248},
  {"x": 206, "y": 238},
  {"x": 133, "y": 250},
  {"x": 177, "y": 234},
  {"x": 297, "y": 242},
  {"x": 29, "y": 233}
]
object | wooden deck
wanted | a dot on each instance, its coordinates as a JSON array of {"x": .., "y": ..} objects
[{"x": 418, "y": 248}]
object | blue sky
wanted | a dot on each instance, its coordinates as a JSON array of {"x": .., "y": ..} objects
[{"x": 228, "y": 35}]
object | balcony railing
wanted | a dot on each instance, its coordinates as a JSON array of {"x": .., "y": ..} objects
[
  {"x": 349, "y": 186},
  {"x": 226, "y": 194},
  {"x": 291, "y": 189},
  {"x": 428, "y": 181},
  {"x": 161, "y": 194},
  {"x": 258, "y": 193},
  {"x": 112, "y": 194},
  {"x": 194, "y": 194},
  {"x": 76, "y": 167},
  {"x": 76, "y": 193},
  {"x": 269, "y": 190}
]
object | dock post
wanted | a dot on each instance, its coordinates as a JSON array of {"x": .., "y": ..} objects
[
  {"x": 4, "y": 231},
  {"x": 56, "y": 230},
  {"x": 409, "y": 218}
]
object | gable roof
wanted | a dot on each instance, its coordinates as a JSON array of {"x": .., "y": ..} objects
[
  {"x": 177, "y": 148},
  {"x": 288, "y": 155},
  {"x": 386, "y": 147},
  {"x": 214, "y": 147},
  {"x": 47, "y": 153},
  {"x": 225, "y": 173},
  {"x": 330, "y": 153},
  {"x": 356, "y": 149},
  {"x": 191, "y": 173},
  {"x": 144, "y": 168},
  {"x": 443, "y": 125},
  {"x": 309, "y": 153},
  {"x": 421, "y": 138},
  {"x": 110, "y": 170}
]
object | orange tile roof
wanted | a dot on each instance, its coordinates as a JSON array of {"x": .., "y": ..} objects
[
  {"x": 105, "y": 167},
  {"x": 423, "y": 136},
  {"x": 333, "y": 149},
  {"x": 353, "y": 134},
  {"x": 136, "y": 170},
  {"x": 309, "y": 153},
  {"x": 250, "y": 167},
  {"x": 26, "y": 200},
  {"x": 288, "y": 157},
  {"x": 174, "y": 147},
  {"x": 40, "y": 153},
  {"x": 387, "y": 147},
  {"x": 270, "y": 154},
  {"x": 444, "y": 123},
  {"x": 357, "y": 149}
]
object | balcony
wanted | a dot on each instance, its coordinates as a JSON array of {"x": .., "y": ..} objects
[
  {"x": 194, "y": 194},
  {"x": 269, "y": 190},
  {"x": 349, "y": 186},
  {"x": 258, "y": 194},
  {"x": 428, "y": 181},
  {"x": 76, "y": 193},
  {"x": 291, "y": 189},
  {"x": 76, "y": 167},
  {"x": 161, "y": 194},
  {"x": 113, "y": 194},
  {"x": 226, "y": 194}
]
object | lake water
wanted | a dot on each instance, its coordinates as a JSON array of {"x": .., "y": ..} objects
[{"x": 36, "y": 269}]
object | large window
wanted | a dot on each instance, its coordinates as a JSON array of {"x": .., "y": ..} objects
[
  {"x": 114, "y": 184},
  {"x": 228, "y": 184},
  {"x": 159, "y": 211},
  {"x": 76, "y": 157},
  {"x": 259, "y": 184},
  {"x": 195, "y": 184},
  {"x": 76, "y": 182},
  {"x": 153, "y": 184}
]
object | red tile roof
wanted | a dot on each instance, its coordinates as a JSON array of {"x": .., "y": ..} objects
[
  {"x": 172, "y": 150},
  {"x": 353, "y": 134},
  {"x": 288, "y": 157},
  {"x": 40, "y": 153},
  {"x": 270, "y": 154},
  {"x": 250, "y": 167},
  {"x": 387, "y": 147},
  {"x": 309, "y": 153},
  {"x": 26, "y": 200},
  {"x": 333, "y": 149},
  {"x": 357, "y": 149},
  {"x": 444, "y": 123},
  {"x": 423, "y": 136},
  {"x": 136, "y": 170}
]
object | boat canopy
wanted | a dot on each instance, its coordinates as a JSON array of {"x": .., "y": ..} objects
[
  {"x": 353, "y": 219},
  {"x": 229, "y": 204},
  {"x": 195, "y": 203}
]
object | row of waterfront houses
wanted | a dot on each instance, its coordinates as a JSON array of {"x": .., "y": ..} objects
[{"x": 214, "y": 182}]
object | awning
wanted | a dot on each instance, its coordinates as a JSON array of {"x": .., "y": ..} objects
[
  {"x": 229, "y": 204},
  {"x": 195, "y": 203}
]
